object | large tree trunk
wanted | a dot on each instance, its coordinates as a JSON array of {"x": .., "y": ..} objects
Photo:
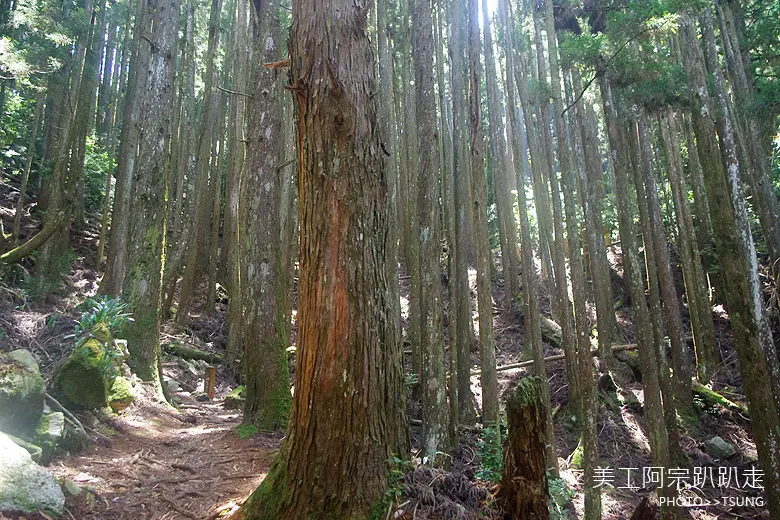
[
  {"x": 266, "y": 330},
  {"x": 142, "y": 282},
  {"x": 348, "y": 401}
]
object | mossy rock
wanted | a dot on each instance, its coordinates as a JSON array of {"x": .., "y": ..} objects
[
  {"x": 235, "y": 399},
  {"x": 22, "y": 390},
  {"x": 121, "y": 395},
  {"x": 48, "y": 433},
  {"x": 83, "y": 381},
  {"x": 25, "y": 486}
]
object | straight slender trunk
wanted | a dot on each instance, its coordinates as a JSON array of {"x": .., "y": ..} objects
[
  {"x": 487, "y": 349},
  {"x": 113, "y": 279},
  {"x": 28, "y": 165},
  {"x": 464, "y": 221},
  {"x": 434, "y": 400},
  {"x": 705, "y": 342},
  {"x": 236, "y": 150},
  {"x": 193, "y": 268},
  {"x": 501, "y": 170}
]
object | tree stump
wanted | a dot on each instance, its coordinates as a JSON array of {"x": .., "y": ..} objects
[{"x": 524, "y": 482}]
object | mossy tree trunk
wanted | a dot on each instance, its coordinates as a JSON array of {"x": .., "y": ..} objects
[
  {"x": 753, "y": 339},
  {"x": 348, "y": 409},
  {"x": 266, "y": 330},
  {"x": 142, "y": 282}
]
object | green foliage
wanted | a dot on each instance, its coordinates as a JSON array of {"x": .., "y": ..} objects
[
  {"x": 560, "y": 495},
  {"x": 398, "y": 468},
  {"x": 33, "y": 287},
  {"x": 97, "y": 165},
  {"x": 101, "y": 311},
  {"x": 489, "y": 450},
  {"x": 101, "y": 318},
  {"x": 245, "y": 431}
]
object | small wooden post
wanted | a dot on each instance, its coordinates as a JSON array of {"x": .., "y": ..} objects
[
  {"x": 524, "y": 482},
  {"x": 211, "y": 375}
]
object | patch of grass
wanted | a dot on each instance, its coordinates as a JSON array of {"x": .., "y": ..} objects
[{"x": 245, "y": 431}]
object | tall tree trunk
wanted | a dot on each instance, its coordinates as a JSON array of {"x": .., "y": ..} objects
[
  {"x": 193, "y": 268},
  {"x": 236, "y": 151},
  {"x": 584, "y": 363},
  {"x": 591, "y": 181},
  {"x": 653, "y": 406},
  {"x": 487, "y": 349},
  {"x": 448, "y": 207},
  {"x": 113, "y": 279},
  {"x": 434, "y": 401},
  {"x": 28, "y": 165},
  {"x": 343, "y": 283},
  {"x": 266, "y": 331},
  {"x": 562, "y": 305},
  {"x": 705, "y": 342},
  {"x": 146, "y": 245},
  {"x": 501, "y": 176},
  {"x": 464, "y": 221}
]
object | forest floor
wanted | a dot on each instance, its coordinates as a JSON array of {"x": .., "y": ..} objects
[{"x": 155, "y": 462}]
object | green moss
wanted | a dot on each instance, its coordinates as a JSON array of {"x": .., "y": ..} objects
[
  {"x": 577, "y": 457},
  {"x": 245, "y": 431},
  {"x": 121, "y": 394},
  {"x": 527, "y": 392},
  {"x": 83, "y": 381},
  {"x": 266, "y": 502}
]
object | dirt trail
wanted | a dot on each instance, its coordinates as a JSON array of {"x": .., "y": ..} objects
[{"x": 168, "y": 465}]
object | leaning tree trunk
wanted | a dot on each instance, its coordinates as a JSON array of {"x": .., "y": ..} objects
[
  {"x": 265, "y": 331},
  {"x": 735, "y": 247},
  {"x": 348, "y": 393}
]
